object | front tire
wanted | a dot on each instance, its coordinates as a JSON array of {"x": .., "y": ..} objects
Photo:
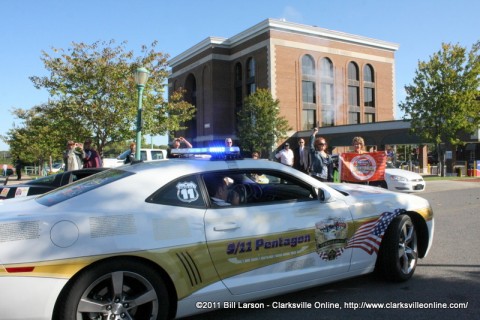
[
  {"x": 399, "y": 252},
  {"x": 120, "y": 289}
]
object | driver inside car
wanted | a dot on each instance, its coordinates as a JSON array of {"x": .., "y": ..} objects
[{"x": 219, "y": 193}]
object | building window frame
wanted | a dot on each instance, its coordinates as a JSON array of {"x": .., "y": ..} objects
[
  {"x": 369, "y": 99},
  {"x": 309, "y": 92},
  {"x": 327, "y": 92},
  {"x": 353, "y": 93},
  {"x": 251, "y": 76}
]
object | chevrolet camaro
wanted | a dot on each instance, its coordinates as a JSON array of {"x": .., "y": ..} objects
[{"x": 151, "y": 241}]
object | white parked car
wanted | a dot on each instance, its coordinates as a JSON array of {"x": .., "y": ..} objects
[
  {"x": 395, "y": 179},
  {"x": 57, "y": 166},
  {"x": 403, "y": 180},
  {"x": 151, "y": 240},
  {"x": 145, "y": 155}
]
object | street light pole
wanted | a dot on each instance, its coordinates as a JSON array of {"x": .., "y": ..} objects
[{"x": 141, "y": 77}]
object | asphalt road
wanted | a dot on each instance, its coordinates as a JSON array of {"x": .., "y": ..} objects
[{"x": 448, "y": 277}]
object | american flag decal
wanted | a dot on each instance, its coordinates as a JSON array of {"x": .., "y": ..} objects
[{"x": 369, "y": 236}]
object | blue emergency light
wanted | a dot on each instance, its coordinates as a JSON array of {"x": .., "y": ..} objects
[{"x": 215, "y": 153}]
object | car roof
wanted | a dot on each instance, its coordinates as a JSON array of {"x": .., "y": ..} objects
[{"x": 181, "y": 166}]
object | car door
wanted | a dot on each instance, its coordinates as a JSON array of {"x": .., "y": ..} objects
[{"x": 282, "y": 235}]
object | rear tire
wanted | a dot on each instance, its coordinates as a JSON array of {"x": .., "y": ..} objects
[
  {"x": 399, "y": 252},
  {"x": 119, "y": 289}
]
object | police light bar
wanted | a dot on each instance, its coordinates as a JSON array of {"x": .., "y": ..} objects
[
  {"x": 206, "y": 150},
  {"x": 214, "y": 152}
]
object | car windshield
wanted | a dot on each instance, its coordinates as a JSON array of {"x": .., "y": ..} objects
[
  {"x": 47, "y": 180},
  {"x": 81, "y": 186}
]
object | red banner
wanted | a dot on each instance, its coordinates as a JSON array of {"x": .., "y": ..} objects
[{"x": 363, "y": 167}]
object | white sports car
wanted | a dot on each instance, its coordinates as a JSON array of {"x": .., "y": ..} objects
[{"x": 153, "y": 241}]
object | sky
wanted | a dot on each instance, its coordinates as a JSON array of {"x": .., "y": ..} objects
[{"x": 28, "y": 27}]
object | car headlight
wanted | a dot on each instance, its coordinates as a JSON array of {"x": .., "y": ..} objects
[{"x": 398, "y": 178}]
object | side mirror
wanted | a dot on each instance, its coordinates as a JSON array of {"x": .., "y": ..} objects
[{"x": 323, "y": 196}]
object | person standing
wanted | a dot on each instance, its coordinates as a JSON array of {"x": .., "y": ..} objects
[
  {"x": 181, "y": 142},
  {"x": 358, "y": 148},
  {"x": 286, "y": 156},
  {"x": 358, "y": 145},
  {"x": 228, "y": 142},
  {"x": 18, "y": 168},
  {"x": 73, "y": 156},
  {"x": 131, "y": 155},
  {"x": 322, "y": 164},
  {"x": 301, "y": 157},
  {"x": 5, "y": 167},
  {"x": 92, "y": 159},
  {"x": 178, "y": 143}
]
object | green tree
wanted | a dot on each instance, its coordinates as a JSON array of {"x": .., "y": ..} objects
[
  {"x": 442, "y": 101},
  {"x": 93, "y": 93},
  {"x": 32, "y": 141},
  {"x": 260, "y": 125}
]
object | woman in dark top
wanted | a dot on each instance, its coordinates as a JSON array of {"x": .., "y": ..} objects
[{"x": 321, "y": 162}]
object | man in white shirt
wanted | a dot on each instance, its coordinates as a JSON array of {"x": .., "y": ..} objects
[{"x": 286, "y": 155}]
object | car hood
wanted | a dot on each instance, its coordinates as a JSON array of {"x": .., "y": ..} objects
[
  {"x": 19, "y": 206},
  {"x": 363, "y": 198},
  {"x": 403, "y": 173},
  {"x": 360, "y": 191}
]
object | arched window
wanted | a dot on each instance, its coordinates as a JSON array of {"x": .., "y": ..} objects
[
  {"x": 308, "y": 65},
  {"x": 327, "y": 92},
  {"x": 369, "y": 93},
  {"x": 368, "y": 73},
  {"x": 251, "y": 86},
  {"x": 353, "y": 94},
  {"x": 353, "y": 71},
  {"x": 308, "y": 93}
]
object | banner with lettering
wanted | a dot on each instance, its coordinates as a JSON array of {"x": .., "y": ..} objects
[{"x": 363, "y": 167}]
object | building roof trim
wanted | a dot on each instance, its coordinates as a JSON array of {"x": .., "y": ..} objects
[
  {"x": 331, "y": 34},
  {"x": 281, "y": 25},
  {"x": 199, "y": 47}
]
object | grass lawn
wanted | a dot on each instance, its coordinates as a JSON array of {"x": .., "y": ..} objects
[{"x": 432, "y": 178}]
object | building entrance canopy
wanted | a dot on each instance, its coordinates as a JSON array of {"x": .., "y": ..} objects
[{"x": 375, "y": 134}]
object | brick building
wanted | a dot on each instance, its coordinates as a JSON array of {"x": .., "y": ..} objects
[{"x": 321, "y": 77}]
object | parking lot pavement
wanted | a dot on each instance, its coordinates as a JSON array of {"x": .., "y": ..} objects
[
  {"x": 13, "y": 180},
  {"x": 442, "y": 185}
]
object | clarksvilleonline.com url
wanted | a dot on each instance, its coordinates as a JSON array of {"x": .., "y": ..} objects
[
  {"x": 405, "y": 305},
  {"x": 331, "y": 305}
]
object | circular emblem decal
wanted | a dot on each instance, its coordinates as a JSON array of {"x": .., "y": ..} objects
[
  {"x": 363, "y": 166},
  {"x": 331, "y": 238}
]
